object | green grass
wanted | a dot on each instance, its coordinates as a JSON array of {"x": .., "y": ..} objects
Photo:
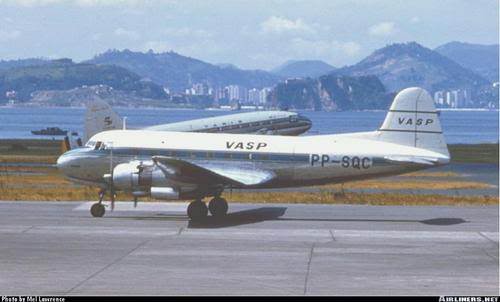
[{"x": 477, "y": 153}]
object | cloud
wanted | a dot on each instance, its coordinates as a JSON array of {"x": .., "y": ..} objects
[
  {"x": 186, "y": 32},
  {"x": 9, "y": 35},
  {"x": 96, "y": 36},
  {"x": 280, "y": 25},
  {"x": 129, "y": 34},
  {"x": 350, "y": 48},
  {"x": 157, "y": 46},
  {"x": 323, "y": 48},
  {"x": 382, "y": 29}
]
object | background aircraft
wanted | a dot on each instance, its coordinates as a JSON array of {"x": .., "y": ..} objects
[
  {"x": 100, "y": 117},
  {"x": 181, "y": 165}
]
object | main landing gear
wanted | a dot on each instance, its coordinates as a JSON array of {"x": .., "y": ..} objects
[{"x": 198, "y": 209}]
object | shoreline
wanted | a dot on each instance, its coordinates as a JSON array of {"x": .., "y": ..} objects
[{"x": 243, "y": 109}]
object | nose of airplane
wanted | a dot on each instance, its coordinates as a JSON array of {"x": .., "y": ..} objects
[
  {"x": 63, "y": 163},
  {"x": 306, "y": 121}
]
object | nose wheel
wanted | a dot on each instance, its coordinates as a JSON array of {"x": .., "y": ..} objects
[{"x": 98, "y": 209}]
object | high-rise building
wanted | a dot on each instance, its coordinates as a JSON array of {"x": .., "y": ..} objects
[
  {"x": 264, "y": 92},
  {"x": 439, "y": 97},
  {"x": 254, "y": 96},
  {"x": 236, "y": 92}
]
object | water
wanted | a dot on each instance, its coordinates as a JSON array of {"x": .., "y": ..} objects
[{"x": 459, "y": 126}]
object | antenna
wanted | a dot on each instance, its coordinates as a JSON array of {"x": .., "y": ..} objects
[{"x": 124, "y": 123}]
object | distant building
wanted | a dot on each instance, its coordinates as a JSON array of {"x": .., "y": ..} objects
[
  {"x": 11, "y": 94},
  {"x": 457, "y": 98},
  {"x": 254, "y": 96},
  {"x": 264, "y": 93},
  {"x": 236, "y": 92},
  {"x": 200, "y": 89}
]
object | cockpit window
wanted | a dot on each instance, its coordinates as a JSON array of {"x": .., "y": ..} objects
[
  {"x": 90, "y": 144},
  {"x": 293, "y": 118},
  {"x": 97, "y": 145}
]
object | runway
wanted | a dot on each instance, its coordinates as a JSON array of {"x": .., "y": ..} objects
[{"x": 52, "y": 248}]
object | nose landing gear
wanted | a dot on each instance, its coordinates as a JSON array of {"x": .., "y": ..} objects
[{"x": 98, "y": 209}]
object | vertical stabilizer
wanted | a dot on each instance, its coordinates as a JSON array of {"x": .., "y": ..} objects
[
  {"x": 100, "y": 117},
  {"x": 413, "y": 121}
]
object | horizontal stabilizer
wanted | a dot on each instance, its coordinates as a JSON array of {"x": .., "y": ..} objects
[
  {"x": 213, "y": 173},
  {"x": 419, "y": 160}
]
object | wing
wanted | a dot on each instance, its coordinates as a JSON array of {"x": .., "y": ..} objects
[{"x": 212, "y": 173}]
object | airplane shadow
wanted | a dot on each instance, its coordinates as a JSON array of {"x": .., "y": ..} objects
[
  {"x": 239, "y": 218},
  {"x": 275, "y": 213},
  {"x": 434, "y": 221}
]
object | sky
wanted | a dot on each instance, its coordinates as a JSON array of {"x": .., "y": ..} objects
[{"x": 256, "y": 34}]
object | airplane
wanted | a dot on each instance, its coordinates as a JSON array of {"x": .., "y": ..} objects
[
  {"x": 181, "y": 165},
  {"x": 100, "y": 117}
]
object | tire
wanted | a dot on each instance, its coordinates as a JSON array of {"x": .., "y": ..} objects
[
  {"x": 197, "y": 210},
  {"x": 218, "y": 207},
  {"x": 97, "y": 210}
]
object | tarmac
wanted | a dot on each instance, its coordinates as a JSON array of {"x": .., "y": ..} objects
[{"x": 57, "y": 248}]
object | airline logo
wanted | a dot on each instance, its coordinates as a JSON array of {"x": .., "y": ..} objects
[{"x": 245, "y": 145}]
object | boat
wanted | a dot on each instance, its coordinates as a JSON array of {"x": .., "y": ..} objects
[{"x": 49, "y": 131}]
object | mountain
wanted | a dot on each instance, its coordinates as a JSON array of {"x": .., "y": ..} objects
[
  {"x": 482, "y": 59},
  {"x": 178, "y": 72},
  {"x": 331, "y": 92},
  {"x": 303, "y": 69},
  {"x": 63, "y": 74},
  {"x": 410, "y": 64},
  {"x": 7, "y": 64}
]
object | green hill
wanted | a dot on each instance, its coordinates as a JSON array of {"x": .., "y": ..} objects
[
  {"x": 331, "y": 92},
  {"x": 64, "y": 74}
]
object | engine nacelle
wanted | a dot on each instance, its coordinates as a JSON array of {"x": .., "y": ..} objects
[
  {"x": 136, "y": 176},
  {"x": 165, "y": 193}
]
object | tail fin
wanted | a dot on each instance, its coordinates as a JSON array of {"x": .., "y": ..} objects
[
  {"x": 413, "y": 121},
  {"x": 100, "y": 117}
]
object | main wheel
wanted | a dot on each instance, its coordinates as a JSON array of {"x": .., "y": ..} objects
[
  {"x": 197, "y": 210},
  {"x": 218, "y": 207},
  {"x": 97, "y": 210}
]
